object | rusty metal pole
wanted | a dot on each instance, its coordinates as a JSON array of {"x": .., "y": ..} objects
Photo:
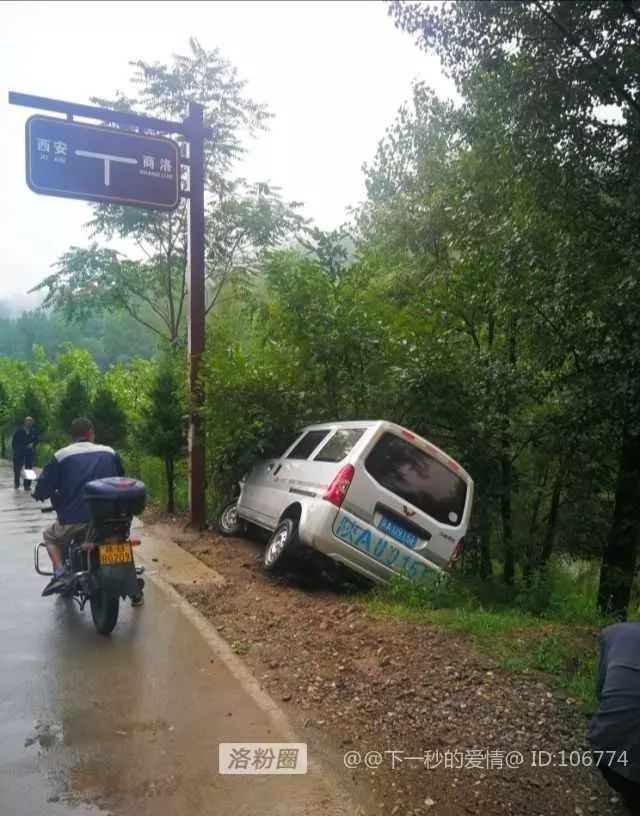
[{"x": 195, "y": 131}]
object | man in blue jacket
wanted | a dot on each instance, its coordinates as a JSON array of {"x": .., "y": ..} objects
[
  {"x": 615, "y": 728},
  {"x": 24, "y": 444},
  {"x": 62, "y": 480}
]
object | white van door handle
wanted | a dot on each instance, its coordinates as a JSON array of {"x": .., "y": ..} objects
[{"x": 275, "y": 472}]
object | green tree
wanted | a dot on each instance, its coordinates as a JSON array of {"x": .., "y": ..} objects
[
  {"x": 162, "y": 427},
  {"x": 241, "y": 218},
  {"x": 109, "y": 419},
  {"x": 5, "y": 417},
  {"x": 540, "y": 72},
  {"x": 33, "y": 404},
  {"x": 75, "y": 402}
]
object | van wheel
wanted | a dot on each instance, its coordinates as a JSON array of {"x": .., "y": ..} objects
[
  {"x": 281, "y": 545},
  {"x": 229, "y": 522}
]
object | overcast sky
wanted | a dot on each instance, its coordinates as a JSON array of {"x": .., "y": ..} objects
[{"x": 333, "y": 74}]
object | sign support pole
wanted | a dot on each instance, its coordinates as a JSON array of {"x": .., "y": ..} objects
[{"x": 194, "y": 129}]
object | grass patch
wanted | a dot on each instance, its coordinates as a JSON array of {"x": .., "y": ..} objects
[
  {"x": 240, "y": 648},
  {"x": 552, "y": 628}
]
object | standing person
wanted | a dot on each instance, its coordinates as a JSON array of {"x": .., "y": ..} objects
[
  {"x": 62, "y": 480},
  {"x": 615, "y": 727},
  {"x": 24, "y": 443}
]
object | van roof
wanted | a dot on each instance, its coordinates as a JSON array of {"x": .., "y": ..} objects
[
  {"x": 383, "y": 423},
  {"x": 362, "y": 423}
]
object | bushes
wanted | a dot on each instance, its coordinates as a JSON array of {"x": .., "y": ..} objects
[
  {"x": 564, "y": 592},
  {"x": 251, "y": 410}
]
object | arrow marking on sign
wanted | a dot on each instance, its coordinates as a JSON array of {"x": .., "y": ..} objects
[{"x": 107, "y": 159}]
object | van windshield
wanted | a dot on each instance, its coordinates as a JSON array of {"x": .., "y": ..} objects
[{"x": 418, "y": 478}]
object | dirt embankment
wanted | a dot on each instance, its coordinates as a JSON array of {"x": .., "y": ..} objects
[{"x": 463, "y": 736}]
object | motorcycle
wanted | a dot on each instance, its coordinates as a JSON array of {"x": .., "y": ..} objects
[{"x": 99, "y": 564}]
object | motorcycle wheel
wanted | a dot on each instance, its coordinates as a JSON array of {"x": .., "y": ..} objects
[{"x": 104, "y": 611}]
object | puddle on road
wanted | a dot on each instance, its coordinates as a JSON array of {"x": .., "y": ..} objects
[{"x": 87, "y": 727}]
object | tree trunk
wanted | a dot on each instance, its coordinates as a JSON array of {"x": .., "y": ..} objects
[
  {"x": 552, "y": 523},
  {"x": 509, "y": 572},
  {"x": 168, "y": 463},
  {"x": 3, "y": 445},
  {"x": 530, "y": 549},
  {"x": 620, "y": 551},
  {"x": 486, "y": 565}
]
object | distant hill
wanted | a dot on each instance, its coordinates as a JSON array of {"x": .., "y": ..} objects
[
  {"x": 15, "y": 305},
  {"x": 110, "y": 338}
]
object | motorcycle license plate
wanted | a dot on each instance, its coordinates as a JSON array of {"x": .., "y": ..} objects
[{"x": 115, "y": 554}]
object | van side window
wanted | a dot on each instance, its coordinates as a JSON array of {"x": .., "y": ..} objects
[
  {"x": 418, "y": 478},
  {"x": 339, "y": 445},
  {"x": 307, "y": 444}
]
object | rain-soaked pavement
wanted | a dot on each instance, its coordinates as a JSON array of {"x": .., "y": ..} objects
[{"x": 128, "y": 724}]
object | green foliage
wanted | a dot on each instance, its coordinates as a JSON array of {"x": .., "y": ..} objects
[
  {"x": 75, "y": 402},
  {"x": 109, "y": 418},
  {"x": 163, "y": 417},
  {"x": 162, "y": 428},
  {"x": 34, "y": 405},
  {"x": 241, "y": 218},
  {"x": 251, "y": 410},
  {"x": 5, "y": 410}
]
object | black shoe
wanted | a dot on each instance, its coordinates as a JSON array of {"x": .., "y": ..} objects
[
  {"x": 137, "y": 600},
  {"x": 56, "y": 584}
]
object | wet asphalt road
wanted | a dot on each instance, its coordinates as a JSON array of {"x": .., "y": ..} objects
[{"x": 128, "y": 724}]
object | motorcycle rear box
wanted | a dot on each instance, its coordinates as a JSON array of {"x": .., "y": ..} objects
[{"x": 114, "y": 499}]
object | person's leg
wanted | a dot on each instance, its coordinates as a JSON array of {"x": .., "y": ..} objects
[
  {"x": 28, "y": 463},
  {"x": 53, "y": 538},
  {"x": 57, "y": 538},
  {"x": 17, "y": 467}
]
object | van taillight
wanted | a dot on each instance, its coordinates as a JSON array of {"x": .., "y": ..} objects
[
  {"x": 456, "y": 553},
  {"x": 337, "y": 490}
]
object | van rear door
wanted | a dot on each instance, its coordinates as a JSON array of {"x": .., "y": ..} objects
[{"x": 413, "y": 493}]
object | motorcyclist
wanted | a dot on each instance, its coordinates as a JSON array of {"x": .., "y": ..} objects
[{"x": 62, "y": 480}]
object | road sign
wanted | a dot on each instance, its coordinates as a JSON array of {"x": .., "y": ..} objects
[
  {"x": 74, "y": 160},
  {"x": 113, "y": 165}
]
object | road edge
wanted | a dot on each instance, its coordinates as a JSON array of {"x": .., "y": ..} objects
[{"x": 223, "y": 650}]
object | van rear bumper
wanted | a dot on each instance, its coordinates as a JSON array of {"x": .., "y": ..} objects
[{"x": 356, "y": 544}]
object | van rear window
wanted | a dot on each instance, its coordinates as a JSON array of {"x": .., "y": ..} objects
[
  {"x": 418, "y": 478},
  {"x": 307, "y": 444},
  {"x": 339, "y": 445}
]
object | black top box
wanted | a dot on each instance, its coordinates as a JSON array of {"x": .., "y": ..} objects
[{"x": 115, "y": 499}]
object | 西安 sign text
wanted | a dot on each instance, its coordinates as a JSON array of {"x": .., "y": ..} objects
[{"x": 74, "y": 160}]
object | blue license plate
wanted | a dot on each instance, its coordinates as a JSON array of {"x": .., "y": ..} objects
[{"x": 398, "y": 532}]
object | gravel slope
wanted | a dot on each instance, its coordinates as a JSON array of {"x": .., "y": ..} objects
[{"x": 367, "y": 687}]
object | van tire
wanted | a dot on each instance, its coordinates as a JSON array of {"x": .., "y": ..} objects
[
  {"x": 229, "y": 523},
  {"x": 281, "y": 546}
]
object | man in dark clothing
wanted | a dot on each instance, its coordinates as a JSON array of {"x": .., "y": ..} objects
[
  {"x": 616, "y": 725},
  {"x": 24, "y": 444},
  {"x": 62, "y": 481}
]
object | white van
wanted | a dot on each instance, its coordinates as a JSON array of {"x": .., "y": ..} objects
[{"x": 371, "y": 495}]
